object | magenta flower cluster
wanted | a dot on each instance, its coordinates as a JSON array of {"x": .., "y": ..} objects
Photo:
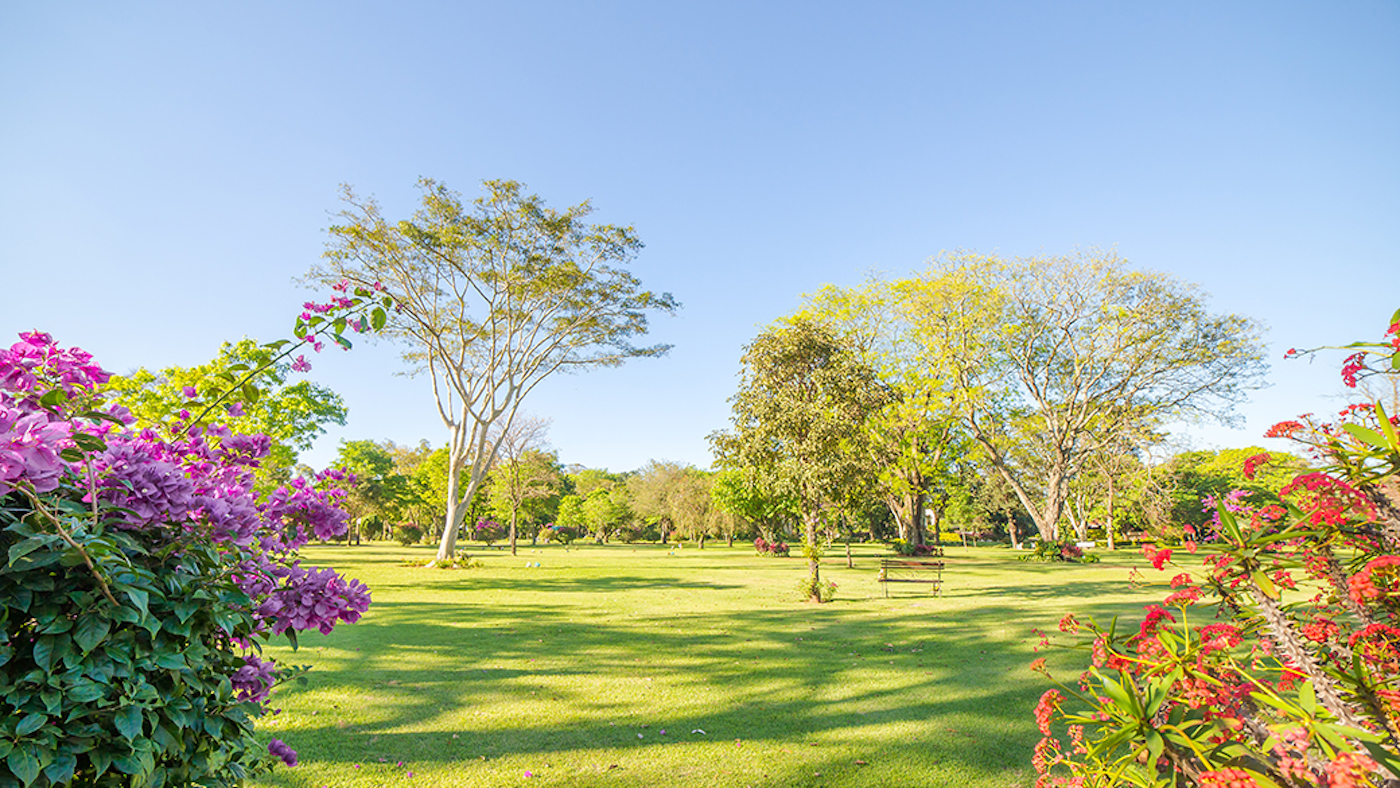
[
  {"x": 314, "y": 599},
  {"x": 32, "y": 436},
  {"x": 280, "y": 749},
  {"x": 194, "y": 487}
]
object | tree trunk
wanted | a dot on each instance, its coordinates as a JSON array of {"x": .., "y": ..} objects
[
  {"x": 1108, "y": 526},
  {"x": 916, "y": 519},
  {"x": 513, "y": 516},
  {"x": 812, "y": 560}
]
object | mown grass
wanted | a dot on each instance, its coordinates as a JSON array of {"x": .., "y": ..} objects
[{"x": 572, "y": 670}]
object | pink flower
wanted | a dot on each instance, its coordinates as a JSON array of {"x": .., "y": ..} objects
[
  {"x": 301, "y": 365},
  {"x": 191, "y": 392}
]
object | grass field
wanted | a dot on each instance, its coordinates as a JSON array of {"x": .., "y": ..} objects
[{"x": 602, "y": 666}]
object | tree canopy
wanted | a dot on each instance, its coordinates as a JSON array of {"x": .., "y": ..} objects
[
  {"x": 490, "y": 299},
  {"x": 293, "y": 414},
  {"x": 801, "y": 400}
]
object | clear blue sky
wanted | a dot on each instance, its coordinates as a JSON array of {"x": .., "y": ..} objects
[{"x": 167, "y": 169}]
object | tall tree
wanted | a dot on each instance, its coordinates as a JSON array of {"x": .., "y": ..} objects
[
  {"x": 490, "y": 299},
  {"x": 292, "y": 415},
  {"x": 802, "y": 401},
  {"x": 689, "y": 504},
  {"x": 651, "y": 489},
  {"x": 914, "y": 439},
  {"x": 1048, "y": 356},
  {"x": 524, "y": 472}
]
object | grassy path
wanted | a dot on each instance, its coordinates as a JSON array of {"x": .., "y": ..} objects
[{"x": 572, "y": 670}]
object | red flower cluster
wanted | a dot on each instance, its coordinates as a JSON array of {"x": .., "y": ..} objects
[
  {"x": 1227, "y": 778},
  {"x": 1252, "y": 463},
  {"x": 1159, "y": 558},
  {"x": 1284, "y": 429}
]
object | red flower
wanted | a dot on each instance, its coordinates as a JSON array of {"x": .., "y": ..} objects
[
  {"x": 1251, "y": 464},
  {"x": 1045, "y": 708},
  {"x": 1284, "y": 429},
  {"x": 1229, "y": 777}
]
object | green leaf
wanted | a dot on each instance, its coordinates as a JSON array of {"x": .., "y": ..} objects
[
  {"x": 1155, "y": 745},
  {"x": 97, "y": 415},
  {"x": 30, "y": 723},
  {"x": 338, "y": 327},
  {"x": 140, "y": 599},
  {"x": 1384, "y": 757},
  {"x": 44, "y": 653},
  {"x": 378, "y": 318},
  {"x": 342, "y": 341},
  {"x": 92, "y": 629},
  {"x": 53, "y": 397},
  {"x": 71, "y": 454},
  {"x": 171, "y": 661},
  {"x": 250, "y": 393},
  {"x": 129, "y": 722},
  {"x": 1384, "y": 420},
  {"x": 85, "y": 691},
  {"x": 20, "y": 549},
  {"x": 90, "y": 443},
  {"x": 1369, "y": 436},
  {"x": 1266, "y": 586},
  {"x": 60, "y": 771},
  {"x": 1120, "y": 696},
  {"x": 23, "y": 765},
  {"x": 1307, "y": 698}
]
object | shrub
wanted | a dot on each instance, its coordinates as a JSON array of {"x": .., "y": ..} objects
[
  {"x": 142, "y": 575},
  {"x": 1068, "y": 552},
  {"x": 563, "y": 534},
  {"x": 809, "y": 589},
  {"x": 488, "y": 531},
  {"x": 904, "y": 547},
  {"x": 773, "y": 549},
  {"x": 408, "y": 534},
  {"x": 1292, "y": 681}
]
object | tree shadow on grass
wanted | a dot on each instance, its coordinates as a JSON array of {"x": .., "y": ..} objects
[{"x": 774, "y": 678}]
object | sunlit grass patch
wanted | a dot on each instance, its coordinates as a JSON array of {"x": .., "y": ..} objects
[{"x": 571, "y": 670}]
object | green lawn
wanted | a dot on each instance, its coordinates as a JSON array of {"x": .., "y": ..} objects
[{"x": 601, "y": 666}]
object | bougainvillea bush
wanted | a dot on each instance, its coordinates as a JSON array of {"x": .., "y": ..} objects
[
  {"x": 1275, "y": 658},
  {"x": 141, "y": 572},
  {"x": 773, "y": 549}
]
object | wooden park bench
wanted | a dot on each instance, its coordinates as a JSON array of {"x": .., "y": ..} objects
[{"x": 924, "y": 569}]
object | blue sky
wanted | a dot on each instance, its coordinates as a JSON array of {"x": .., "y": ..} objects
[{"x": 168, "y": 169}]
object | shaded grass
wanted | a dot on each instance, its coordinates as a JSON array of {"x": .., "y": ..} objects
[{"x": 572, "y": 670}]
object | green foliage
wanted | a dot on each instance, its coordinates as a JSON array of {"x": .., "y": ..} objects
[
  {"x": 1293, "y": 680},
  {"x": 154, "y": 668},
  {"x": 1198, "y": 475},
  {"x": 738, "y": 492},
  {"x": 408, "y": 534},
  {"x": 292, "y": 414},
  {"x": 1066, "y": 552},
  {"x": 491, "y": 298},
  {"x": 802, "y": 399},
  {"x": 816, "y": 590}
]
